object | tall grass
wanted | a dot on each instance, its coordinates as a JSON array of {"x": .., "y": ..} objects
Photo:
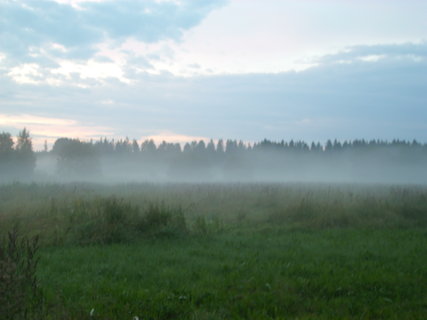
[
  {"x": 20, "y": 296},
  {"x": 212, "y": 251},
  {"x": 96, "y": 214}
]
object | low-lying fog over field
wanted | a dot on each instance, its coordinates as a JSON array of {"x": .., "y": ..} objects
[{"x": 233, "y": 161}]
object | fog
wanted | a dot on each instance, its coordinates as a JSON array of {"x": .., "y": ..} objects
[{"x": 395, "y": 162}]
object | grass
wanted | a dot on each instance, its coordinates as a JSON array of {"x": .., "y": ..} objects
[
  {"x": 252, "y": 274},
  {"x": 226, "y": 251}
]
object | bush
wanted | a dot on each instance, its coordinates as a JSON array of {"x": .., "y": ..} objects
[
  {"x": 200, "y": 226},
  {"x": 104, "y": 221},
  {"x": 160, "y": 220},
  {"x": 111, "y": 220},
  {"x": 20, "y": 296}
]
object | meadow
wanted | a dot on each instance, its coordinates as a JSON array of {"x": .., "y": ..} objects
[{"x": 216, "y": 251}]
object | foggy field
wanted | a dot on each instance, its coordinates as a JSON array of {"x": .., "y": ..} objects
[
  {"x": 213, "y": 160},
  {"x": 224, "y": 251}
]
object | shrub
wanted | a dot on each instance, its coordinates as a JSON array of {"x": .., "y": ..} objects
[
  {"x": 105, "y": 221},
  {"x": 160, "y": 220},
  {"x": 111, "y": 220},
  {"x": 200, "y": 226}
]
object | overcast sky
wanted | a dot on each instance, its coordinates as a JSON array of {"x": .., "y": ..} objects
[{"x": 180, "y": 70}]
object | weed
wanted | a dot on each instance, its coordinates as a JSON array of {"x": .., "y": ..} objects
[{"x": 20, "y": 296}]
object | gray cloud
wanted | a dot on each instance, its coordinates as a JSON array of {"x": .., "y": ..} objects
[{"x": 384, "y": 99}]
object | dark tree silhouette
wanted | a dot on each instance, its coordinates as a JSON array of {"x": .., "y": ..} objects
[
  {"x": 18, "y": 162},
  {"x": 76, "y": 158},
  {"x": 6, "y": 154},
  {"x": 25, "y": 157}
]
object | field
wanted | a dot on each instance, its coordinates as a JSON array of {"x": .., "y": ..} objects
[{"x": 223, "y": 251}]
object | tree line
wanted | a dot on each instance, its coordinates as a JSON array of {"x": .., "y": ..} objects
[
  {"x": 236, "y": 160},
  {"x": 198, "y": 160},
  {"x": 104, "y": 146}
]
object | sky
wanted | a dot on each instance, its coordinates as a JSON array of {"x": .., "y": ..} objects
[{"x": 181, "y": 70}]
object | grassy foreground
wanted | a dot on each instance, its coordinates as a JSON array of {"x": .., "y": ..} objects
[{"x": 226, "y": 251}]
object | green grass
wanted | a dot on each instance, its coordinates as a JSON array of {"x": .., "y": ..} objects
[
  {"x": 249, "y": 274},
  {"x": 226, "y": 251}
]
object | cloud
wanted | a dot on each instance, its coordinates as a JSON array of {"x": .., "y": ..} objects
[
  {"x": 88, "y": 42},
  {"x": 50, "y": 128},
  {"x": 368, "y": 98},
  {"x": 271, "y": 36},
  {"x": 403, "y": 51},
  {"x": 385, "y": 98},
  {"x": 26, "y": 120},
  {"x": 71, "y": 29},
  {"x": 172, "y": 137}
]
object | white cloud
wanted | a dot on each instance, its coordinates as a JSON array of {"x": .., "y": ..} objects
[
  {"x": 272, "y": 37},
  {"x": 90, "y": 70},
  {"x": 77, "y": 3},
  {"x": 172, "y": 137},
  {"x": 29, "y": 73},
  {"x": 372, "y": 58},
  {"x": 243, "y": 37},
  {"x": 77, "y": 33},
  {"x": 26, "y": 120},
  {"x": 58, "y": 47}
]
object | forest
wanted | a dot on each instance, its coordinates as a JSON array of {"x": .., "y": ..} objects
[{"x": 125, "y": 160}]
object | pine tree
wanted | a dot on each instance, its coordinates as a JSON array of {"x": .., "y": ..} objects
[
  {"x": 6, "y": 144},
  {"x": 6, "y": 153}
]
